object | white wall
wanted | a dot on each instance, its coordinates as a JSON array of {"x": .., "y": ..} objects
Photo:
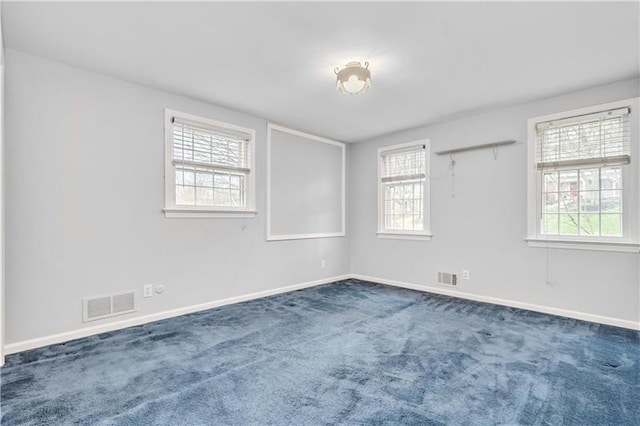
[
  {"x": 84, "y": 192},
  {"x": 482, "y": 228},
  {"x": 84, "y": 195}
]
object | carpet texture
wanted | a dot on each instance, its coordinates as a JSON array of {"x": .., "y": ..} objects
[{"x": 344, "y": 353}]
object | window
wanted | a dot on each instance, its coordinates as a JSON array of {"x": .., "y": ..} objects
[
  {"x": 403, "y": 191},
  {"x": 583, "y": 179},
  {"x": 209, "y": 168}
]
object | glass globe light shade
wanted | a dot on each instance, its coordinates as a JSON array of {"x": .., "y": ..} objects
[{"x": 353, "y": 79}]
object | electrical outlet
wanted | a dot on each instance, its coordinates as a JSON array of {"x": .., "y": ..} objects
[
  {"x": 465, "y": 274},
  {"x": 148, "y": 290},
  {"x": 323, "y": 264}
]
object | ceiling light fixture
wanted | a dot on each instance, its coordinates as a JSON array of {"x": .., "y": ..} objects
[{"x": 353, "y": 79}]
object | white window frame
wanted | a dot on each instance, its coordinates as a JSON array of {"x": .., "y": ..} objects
[
  {"x": 425, "y": 234},
  {"x": 629, "y": 241},
  {"x": 171, "y": 210}
]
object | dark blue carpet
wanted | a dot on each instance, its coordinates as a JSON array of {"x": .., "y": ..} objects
[{"x": 344, "y": 353}]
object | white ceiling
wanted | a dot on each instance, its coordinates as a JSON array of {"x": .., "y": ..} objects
[{"x": 429, "y": 61}]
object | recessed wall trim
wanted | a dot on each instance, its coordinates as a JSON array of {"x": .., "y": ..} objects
[{"x": 273, "y": 235}]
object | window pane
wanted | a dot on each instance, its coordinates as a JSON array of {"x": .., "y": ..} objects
[
  {"x": 417, "y": 207},
  {"x": 585, "y": 195},
  {"x": 589, "y": 179},
  {"x": 590, "y": 224},
  {"x": 397, "y": 206},
  {"x": 388, "y": 222},
  {"x": 204, "y": 179},
  {"x": 409, "y": 192},
  {"x": 221, "y": 181},
  {"x": 235, "y": 198},
  {"x": 550, "y": 224},
  {"x": 418, "y": 224},
  {"x": 396, "y": 221},
  {"x": 189, "y": 177},
  {"x": 393, "y": 207},
  {"x": 568, "y": 201},
  {"x": 569, "y": 180},
  {"x": 550, "y": 203},
  {"x": 408, "y": 225},
  {"x": 204, "y": 196},
  {"x": 612, "y": 201},
  {"x": 551, "y": 182},
  {"x": 221, "y": 197},
  {"x": 612, "y": 224},
  {"x": 388, "y": 192},
  {"x": 611, "y": 178},
  {"x": 185, "y": 195},
  {"x": 589, "y": 201},
  {"x": 235, "y": 182},
  {"x": 408, "y": 207},
  {"x": 569, "y": 224}
]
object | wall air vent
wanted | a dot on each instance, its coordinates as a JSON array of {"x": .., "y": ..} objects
[
  {"x": 123, "y": 303},
  {"x": 95, "y": 308},
  {"x": 447, "y": 278}
]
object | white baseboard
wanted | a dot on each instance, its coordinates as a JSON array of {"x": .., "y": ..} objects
[
  {"x": 633, "y": 325},
  {"x": 13, "y": 348},
  {"x": 117, "y": 325}
]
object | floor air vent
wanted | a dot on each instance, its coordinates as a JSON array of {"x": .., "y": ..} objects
[
  {"x": 95, "y": 308},
  {"x": 447, "y": 279}
]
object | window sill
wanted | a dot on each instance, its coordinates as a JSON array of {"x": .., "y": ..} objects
[
  {"x": 401, "y": 236},
  {"x": 584, "y": 245},
  {"x": 204, "y": 214}
]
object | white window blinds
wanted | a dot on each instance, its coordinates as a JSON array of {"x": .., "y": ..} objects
[
  {"x": 196, "y": 144},
  {"x": 594, "y": 139},
  {"x": 403, "y": 165}
]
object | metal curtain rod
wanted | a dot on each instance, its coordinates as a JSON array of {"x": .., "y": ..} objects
[{"x": 472, "y": 147}]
